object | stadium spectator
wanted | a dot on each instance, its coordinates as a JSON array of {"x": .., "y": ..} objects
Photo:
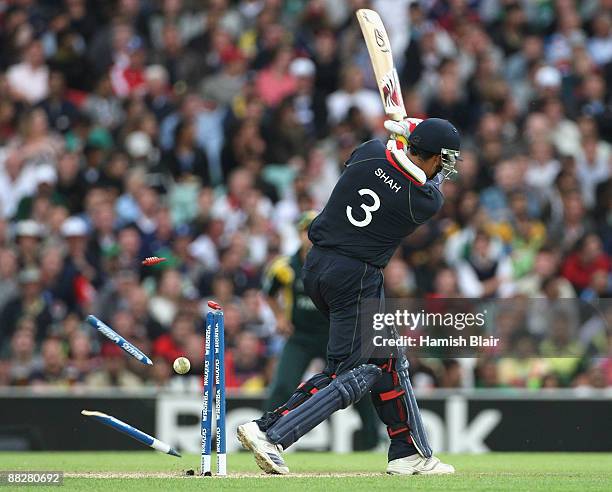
[
  {"x": 29, "y": 80},
  {"x": 23, "y": 361},
  {"x": 53, "y": 370},
  {"x": 113, "y": 373},
  {"x": 588, "y": 259}
]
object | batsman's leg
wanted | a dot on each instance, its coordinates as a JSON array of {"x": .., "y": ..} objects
[
  {"x": 253, "y": 436},
  {"x": 345, "y": 389},
  {"x": 390, "y": 401}
]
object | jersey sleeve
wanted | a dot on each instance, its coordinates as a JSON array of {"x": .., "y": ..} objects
[
  {"x": 279, "y": 275},
  {"x": 424, "y": 201}
]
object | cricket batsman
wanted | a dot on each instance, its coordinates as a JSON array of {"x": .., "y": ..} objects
[{"x": 383, "y": 195}]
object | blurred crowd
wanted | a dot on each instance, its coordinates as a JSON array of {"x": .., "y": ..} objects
[{"x": 200, "y": 131}]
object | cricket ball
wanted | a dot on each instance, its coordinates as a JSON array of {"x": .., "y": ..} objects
[{"x": 181, "y": 365}]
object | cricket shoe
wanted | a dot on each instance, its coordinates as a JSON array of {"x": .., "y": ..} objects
[
  {"x": 417, "y": 465},
  {"x": 267, "y": 455}
]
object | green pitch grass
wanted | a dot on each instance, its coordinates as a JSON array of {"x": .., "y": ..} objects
[{"x": 150, "y": 471}]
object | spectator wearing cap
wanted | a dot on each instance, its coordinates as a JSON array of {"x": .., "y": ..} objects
[
  {"x": 29, "y": 80},
  {"x": 140, "y": 148},
  {"x": 46, "y": 179},
  {"x": 79, "y": 272},
  {"x": 99, "y": 142},
  {"x": 27, "y": 303},
  {"x": 28, "y": 237},
  {"x": 223, "y": 86},
  {"x": 547, "y": 81},
  {"x": 309, "y": 104},
  {"x": 158, "y": 95}
]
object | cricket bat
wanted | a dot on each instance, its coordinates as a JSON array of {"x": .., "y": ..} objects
[{"x": 379, "y": 48}]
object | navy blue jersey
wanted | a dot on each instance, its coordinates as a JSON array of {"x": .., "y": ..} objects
[{"x": 374, "y": 205}]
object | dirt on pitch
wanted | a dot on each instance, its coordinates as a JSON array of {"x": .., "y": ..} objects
[{"x": 197, "y": 476}]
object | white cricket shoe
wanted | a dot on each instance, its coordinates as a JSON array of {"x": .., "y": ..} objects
[
  {"x": 417, "y": 465},
  {"x": 267, "y": 455}
]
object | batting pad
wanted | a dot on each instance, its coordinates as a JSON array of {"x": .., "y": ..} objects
[{"x": 347, "y": 388}]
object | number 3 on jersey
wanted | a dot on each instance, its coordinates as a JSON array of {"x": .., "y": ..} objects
[{"x": 368, "y": 209}]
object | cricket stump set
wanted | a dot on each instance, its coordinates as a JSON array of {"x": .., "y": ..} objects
[
  {"x": 213, "y": 391},
  {"x": 214, "y": 347}
]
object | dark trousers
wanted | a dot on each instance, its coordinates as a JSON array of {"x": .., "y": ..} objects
[
  {"x": 297, "y": 354},
  {"x": 338, "y": 285}
]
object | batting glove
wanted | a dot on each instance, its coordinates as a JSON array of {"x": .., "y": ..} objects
[
  {"x": 402, "y": 128},
  {"x": 398, "y": 145}
]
